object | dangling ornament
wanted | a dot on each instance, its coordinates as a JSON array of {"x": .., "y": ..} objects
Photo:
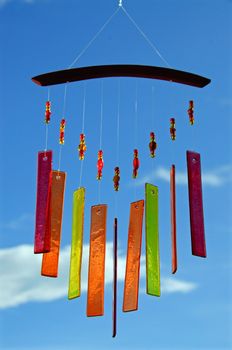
[
  {"x": 48, "y": 112},
  {"x": 136, "y": 163},
  {"x": 131, "y": 283},
  {"x": 116, "y": 178},
  {"x": 172, "y": 128},
  {"x": 62, "y": 127},
  {"x": 100, "y": 164},
  {"x": 82, "y": 147},
  {"x": 97, "y": 252},
  {"x": 152, "y": 144},
  {"x": 190, "y": 112}
]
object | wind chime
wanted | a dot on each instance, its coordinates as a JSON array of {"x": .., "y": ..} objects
[{"x": 50, "y": 200}]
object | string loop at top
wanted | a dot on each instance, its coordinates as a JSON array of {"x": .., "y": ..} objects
[
  {"x": 145, "y": 37},
  {"x": 93, "y": 38}
]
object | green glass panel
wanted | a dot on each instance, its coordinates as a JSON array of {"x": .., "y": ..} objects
[
  {"x": 74, "y": 290},
  {"x": 152, "y": 240}
]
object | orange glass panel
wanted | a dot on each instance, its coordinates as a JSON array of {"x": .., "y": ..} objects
[
  {"x": 131, "y": 286},
  {"x": 96, "y": 278},
  {"x": 51, "y": 259},
  {"x": 173, "y": 217}
]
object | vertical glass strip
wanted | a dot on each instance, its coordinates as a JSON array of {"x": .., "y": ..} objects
[
  {"x": 152, "y": 240},
  {"x": 50, "y": 260},
  {"x": 115, "y": 248},
  {"x": 96, "y": 276},
  {"x": 196, "y": 204},
  {"x": 42, "y": 231},
  {"x": 131, "y": 286},
  {"x": 173, "y": 217},
  {"x": 74, "y": 290}
]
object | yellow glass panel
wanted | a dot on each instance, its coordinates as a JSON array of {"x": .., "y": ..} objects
[{"x": 74, "y": 290}]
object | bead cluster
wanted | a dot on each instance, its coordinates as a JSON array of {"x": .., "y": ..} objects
[
  {"x": 116, "y": 178},
  {"x": 136, "y": 163},
  {"x": 48, "y": 112},
  {"x": 152, "y": 144},
  {"x": 100, "y": 164},
  {"x": 172, "y": 128},
  {"x": 190, "y": 112},
  {"x": 62, "y": 128},
  {"x": 82, "y": 147}
]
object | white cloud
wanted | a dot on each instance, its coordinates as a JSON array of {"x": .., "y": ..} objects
[
  {"x": 214, "y": 178},
  {"x": 20, "y": 276},
  {"x": 173, "y": 285}
]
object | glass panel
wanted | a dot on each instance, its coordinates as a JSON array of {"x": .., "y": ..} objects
[
  {"x": 173, "y": 217},
  {"x": 96, "y": 277},
  {"x": 131, "y": 286},
  {"x": 115, "y": 278},
  {"x": 74, "y": 290},
  {"x": 51, "y": 259},
  {"x": 42, "y": 227},
  {"x": 196, "y": 204},
  {"x": 152, "y": 240}
]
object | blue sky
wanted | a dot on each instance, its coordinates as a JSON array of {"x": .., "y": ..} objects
[{"x": 194, "y": 311}]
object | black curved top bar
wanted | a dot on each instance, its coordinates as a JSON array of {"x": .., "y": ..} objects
[{"x": 123, "y": 70}]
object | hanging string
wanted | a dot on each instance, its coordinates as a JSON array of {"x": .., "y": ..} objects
[
  {"x": 64, "y": 103},
  {"x": 153, "y": 121},
  {"x": 100, "y": 138},
  {"x": 101, "y": 118},
  {"x": 136, "y": 116},
  {"x": 83, "y": 129},
  {"x": 152, "y": 108},
  {"x": 60, "y": 151},
  {"x": 118, "y": 119},
  {"x": 46, "y": 127},
  {"x": 46, "y": 138},
  {"x": 64, "y": 110},
  {"x": 117, "y": 142},
  {"x": 145, "y": 36},
  {"x": 83, "y": 112},
  {"x": 94, "y": 38},
  {"x": 136, "y": 127},
  {"x": 48, "y": 93}
]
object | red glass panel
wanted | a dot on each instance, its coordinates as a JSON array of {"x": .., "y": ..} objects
[{"x": 173, "y": 217}]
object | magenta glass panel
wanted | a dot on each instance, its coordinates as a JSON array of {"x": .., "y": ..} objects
[
  {"x": 42, "y": 227},
  {"x": 196, "y": 204}
]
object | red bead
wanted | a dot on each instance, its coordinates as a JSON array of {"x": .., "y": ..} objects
[
  {"x": 100, "y": 164},
  {"x": 136, "y": 163}
]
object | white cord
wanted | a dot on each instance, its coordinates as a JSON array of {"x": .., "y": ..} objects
[
  {"x": 94, "y": 38},
  {"x": 145, "y": 37},
  {"x": 101, "y": 118}
]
